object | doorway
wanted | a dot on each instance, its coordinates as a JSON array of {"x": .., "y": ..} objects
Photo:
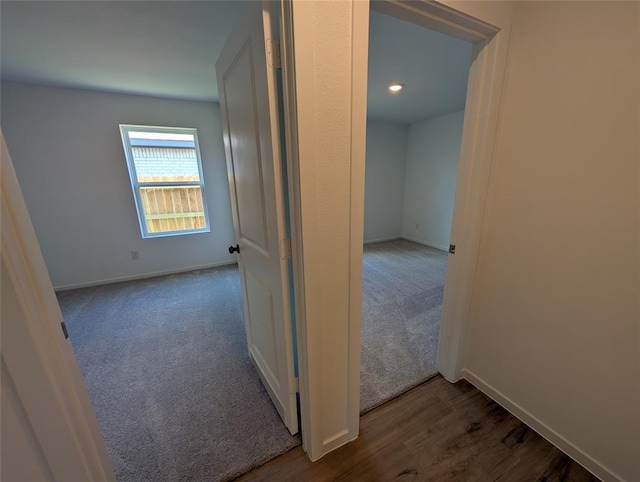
[{"x": 417, "y": 84}]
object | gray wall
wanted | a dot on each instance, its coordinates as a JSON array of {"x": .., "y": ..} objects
[
  {"x": 431, "y": 174},
  {"x": 66, "y": 148},
  {"x": 410, "y": 179},
  {"x": 384, "y": 180}
]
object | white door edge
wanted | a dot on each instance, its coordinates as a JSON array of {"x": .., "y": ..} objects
[
  {"x": 271, "y": 15},
  {"x": 39, "y": 359},
  {"x": 295, "y": 217}
]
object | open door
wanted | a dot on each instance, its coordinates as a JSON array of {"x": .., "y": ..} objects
[
  {"x": 247, "y": 83},
  {"x": 48, "y": 426}
]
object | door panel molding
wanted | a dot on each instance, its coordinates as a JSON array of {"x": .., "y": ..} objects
[
  {"x": 251, "y": 123},
  {"x": 257, "y": 315},
  {"x": 255, "y": 190}
]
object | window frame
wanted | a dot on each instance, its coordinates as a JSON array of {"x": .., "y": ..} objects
[{"x": 136, "y": 185}]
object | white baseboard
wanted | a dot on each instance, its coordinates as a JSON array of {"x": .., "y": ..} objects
[
  {"x": 413, "y": 240},
  {"x": 141, "y": 276},
  {"x": 382, "y": 240},
  {"x": 431, "y": 245},
  {"x": 596, "y": 468}
]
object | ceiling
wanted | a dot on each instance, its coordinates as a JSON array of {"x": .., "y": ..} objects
[
  {"x": 165, "y": 49},
  {"x": 169, "y": 49},
  {"x": 434, "y": 68}
]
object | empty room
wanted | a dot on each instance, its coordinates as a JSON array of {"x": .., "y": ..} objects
[
  {"x": 417, "y": 84},
  {"x": 110, "y": 111}
]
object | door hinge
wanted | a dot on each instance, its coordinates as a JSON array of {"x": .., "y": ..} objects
[
  {"x": 64, "y": 330},
  {"x": 452, "y": 248},
  {"x": 296, "y": 384},
  {"x": 273, "y": 53},
  {"x": 285, "y": 248}
]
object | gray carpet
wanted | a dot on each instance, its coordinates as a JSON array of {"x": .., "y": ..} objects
[
  {"x": 165, "y": 362},
  {"x": 403, "y": 286}
]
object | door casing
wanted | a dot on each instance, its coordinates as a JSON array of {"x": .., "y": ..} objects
[
  {"x": 305, "y": 124},
  {"x": 475, "y": 165}
]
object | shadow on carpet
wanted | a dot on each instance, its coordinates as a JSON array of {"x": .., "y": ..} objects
[
  {"x": 166, "y": 365},
  {"x": 403, "y": 288}
]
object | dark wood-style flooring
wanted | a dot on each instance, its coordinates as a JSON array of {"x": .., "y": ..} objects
[{"x": 435, "y": 432}]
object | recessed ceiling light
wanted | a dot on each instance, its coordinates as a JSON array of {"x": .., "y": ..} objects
[{"x": 395, "y": 88}]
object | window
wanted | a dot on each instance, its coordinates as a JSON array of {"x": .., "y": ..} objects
[{"x": 166, "y": 178}]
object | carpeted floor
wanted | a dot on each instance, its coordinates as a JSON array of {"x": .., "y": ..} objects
[
  {"x": 403, "y": 287},
  {"x": 165, "y": 362}
]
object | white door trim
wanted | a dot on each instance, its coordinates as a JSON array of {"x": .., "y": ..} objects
[
  {"x": 39, "y": 359},
  {"x": 328, "y": 289},
  {"x": 331, "y": 421},
  {"x": 331, "y": 40},
  {"x": 484, "y": 91}
]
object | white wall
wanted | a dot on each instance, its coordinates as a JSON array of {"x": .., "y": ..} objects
[
  {"x": 554, "y": 329},
  {"x": 431, "y": 173},
  {"x": 384, "y": 180},
  {"x": 67, "y": 152}
]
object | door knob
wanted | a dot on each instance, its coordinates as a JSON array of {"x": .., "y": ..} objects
[{"x": 235, "y": 248}]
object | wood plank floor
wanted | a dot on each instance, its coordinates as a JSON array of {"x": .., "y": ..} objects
[{"x": 437, "y": 431}]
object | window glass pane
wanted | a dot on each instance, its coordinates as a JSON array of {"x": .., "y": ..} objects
[
  {"x": 164, "y": 157},
  {"x": 174, "y": 208},
  {"x": 169, "y": 194}
]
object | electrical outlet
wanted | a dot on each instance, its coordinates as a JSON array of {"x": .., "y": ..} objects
[{"x": 135, "y": 255}]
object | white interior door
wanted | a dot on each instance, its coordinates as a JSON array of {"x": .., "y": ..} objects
[
  {"x": 48, "y": 426},
  {"x": 248, "y": 90}
]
